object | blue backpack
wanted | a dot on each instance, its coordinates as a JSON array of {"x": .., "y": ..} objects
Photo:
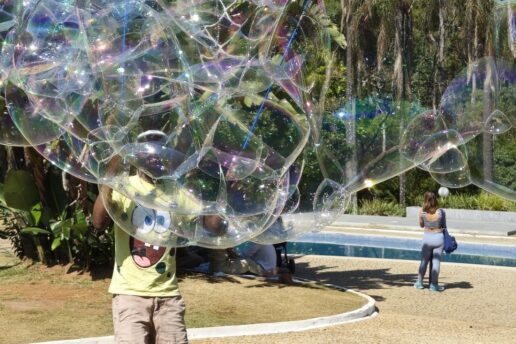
[{"x": 450, "y": 244}]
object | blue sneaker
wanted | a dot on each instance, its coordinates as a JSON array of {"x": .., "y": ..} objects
[
  {"x": 435, "y": 287},
  {"x": 418, "y": 285}
]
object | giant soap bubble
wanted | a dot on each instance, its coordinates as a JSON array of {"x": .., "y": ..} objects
[
  {"x": 480, "y": 105},
  {"x": 390, "y": 138},
  {"x": 189, "y": 114},
  {"x": 192, "y": 115},
  {"x": 463, "y": 138},
  {"x": 372, "y": 153}
]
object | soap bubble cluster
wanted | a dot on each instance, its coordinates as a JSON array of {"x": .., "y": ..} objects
[
  {"x": 480, "y": 105},
  {"x": 191, "y": 115},
  {"x": 466, "y": 140}
]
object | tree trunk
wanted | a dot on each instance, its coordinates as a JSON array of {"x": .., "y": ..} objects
[
  {"x": 402, "y": 72},
  {"x": 511, "y": 27},
  {"x": 438, "y": 70},
  {"x": 316, "y": 120},
  {"x": 11, "y": 158},
  {"x": 3, "y": 163},
  {"x": 381, "y": 45},
  {"x": 381, "y": 48},
  {"x": 351, "y": 164},
  {"x": 36, "y": 164},
  {"x": 489, "y": 102},
  {"x": 487, "y": 138},
  {"x": 398, "y": 89}
]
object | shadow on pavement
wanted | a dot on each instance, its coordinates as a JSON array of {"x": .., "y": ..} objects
[
  {"x": 355, "y": 279},
  {"x": 458, "y": 285}
]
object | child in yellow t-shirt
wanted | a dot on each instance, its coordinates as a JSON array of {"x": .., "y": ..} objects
[{"x": 147, "y": 305}]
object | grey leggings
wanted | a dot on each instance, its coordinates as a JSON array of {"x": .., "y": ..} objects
[{"x": 432, "y": 244}]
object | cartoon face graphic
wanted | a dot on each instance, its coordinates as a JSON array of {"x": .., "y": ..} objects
[
  {"x": 144, "y": 221},
  {"x": 145, "y": 255}
]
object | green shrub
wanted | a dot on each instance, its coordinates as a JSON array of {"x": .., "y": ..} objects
[
  {"x": 487, "y": 201},
  {"x": 59, "y": 232},
  {"x": 481, "y": 201},
  {"x": 380, "y": 207}
]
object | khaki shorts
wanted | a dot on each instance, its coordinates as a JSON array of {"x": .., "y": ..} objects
[{"x": 139, "y": 319}]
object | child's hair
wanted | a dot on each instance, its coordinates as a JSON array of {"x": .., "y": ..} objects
[{"x": 430, "y": 202}]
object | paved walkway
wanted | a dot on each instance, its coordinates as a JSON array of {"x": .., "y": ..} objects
[
  {"x": 477, "y": 307},
  {"x": 473, "y": 227}
]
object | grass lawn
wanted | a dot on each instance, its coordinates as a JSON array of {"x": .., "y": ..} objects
[{"x": 40, "y": 304}]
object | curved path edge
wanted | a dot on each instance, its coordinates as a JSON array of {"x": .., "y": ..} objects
[
  {"x": 362, "y": 313},
  {"x": 289, "y": 326}
]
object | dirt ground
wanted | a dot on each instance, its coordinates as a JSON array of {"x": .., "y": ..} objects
[
  {"x": 478, "y": 306},
  {"x": 232, "y": 300},
  {"x": 40, "y": 304}
]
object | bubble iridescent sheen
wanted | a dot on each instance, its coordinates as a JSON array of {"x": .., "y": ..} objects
[
  {"x": 193, "y": 109},
  {"x": 376, "y": 148},
  {"x": 480, "y": 105}
]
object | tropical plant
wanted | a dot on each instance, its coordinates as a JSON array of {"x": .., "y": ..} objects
[
  {"x": 479, "y": 201},
  {"x": 58, "y": 230},
  {"x": 9, "y": 229},
  {"x": 380, "y": 207}
]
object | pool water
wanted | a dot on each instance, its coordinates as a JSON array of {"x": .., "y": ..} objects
[{"x": 337, "y": 244}]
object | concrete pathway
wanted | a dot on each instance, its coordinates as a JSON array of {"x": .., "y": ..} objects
[
  {"x": 477, "y": 307},
  {"x": 473, "y": 226}
]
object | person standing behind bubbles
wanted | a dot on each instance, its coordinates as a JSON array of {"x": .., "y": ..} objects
[{"x": 431, "y": 218}]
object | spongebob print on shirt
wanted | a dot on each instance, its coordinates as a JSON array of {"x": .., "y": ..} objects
[{"x": 141, "y": 268}]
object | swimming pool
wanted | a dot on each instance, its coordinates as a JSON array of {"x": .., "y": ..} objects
[{"x": 375, "y": 246}]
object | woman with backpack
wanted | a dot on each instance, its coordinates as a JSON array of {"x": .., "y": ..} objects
[{"x": 432, "y": 219}]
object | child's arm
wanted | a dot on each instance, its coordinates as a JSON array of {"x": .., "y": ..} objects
[
  {"x": 100, "y": 218},
  {"x": 420, "y": 216},
  {"x": 443, "y": 219}
]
